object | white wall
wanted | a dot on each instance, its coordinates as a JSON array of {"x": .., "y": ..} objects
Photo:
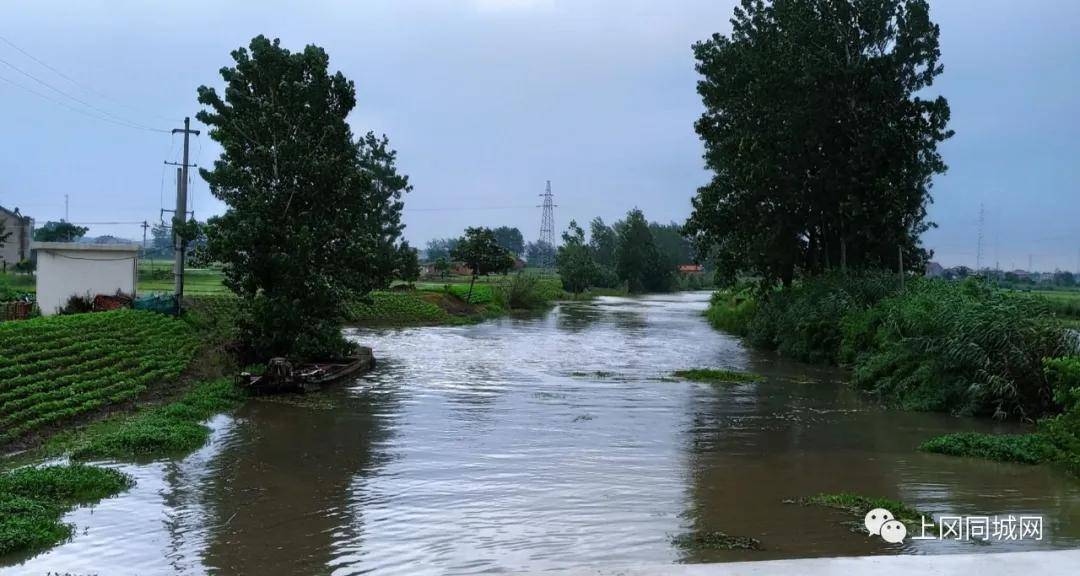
[{"x": 84, "y": 270}]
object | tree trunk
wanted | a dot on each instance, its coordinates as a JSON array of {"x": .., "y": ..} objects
[{"x": 468, "y": 299}]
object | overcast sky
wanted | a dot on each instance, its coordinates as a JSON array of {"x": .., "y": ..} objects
[{"x": 486, "y": 99}]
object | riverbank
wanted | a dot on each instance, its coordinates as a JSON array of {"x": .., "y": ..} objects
[{"x": 932, "y": 345}]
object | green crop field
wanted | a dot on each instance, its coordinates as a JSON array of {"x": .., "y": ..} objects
[
  {"x": 157, "y": 276},
  {"x": 396, "y": 308},
  {"x": 55, "y": 368}
]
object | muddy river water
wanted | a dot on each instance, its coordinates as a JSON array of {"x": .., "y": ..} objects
[{"x": 552, "y": 441}]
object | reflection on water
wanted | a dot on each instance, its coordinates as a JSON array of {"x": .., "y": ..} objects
[{"x": 545, "y": 442}]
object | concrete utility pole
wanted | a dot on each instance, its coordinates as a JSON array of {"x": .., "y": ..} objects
[
  {"x": 66, "y": 218},
  {"x": 180, "y": 215},
  {"x": 900, "y": 251}
]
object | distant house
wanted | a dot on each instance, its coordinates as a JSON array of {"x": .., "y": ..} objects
[
  {"x": 691, "y": 268},
  {"x": 934, "y": 270},
  {"x": 427, "y": 269},
  {"x": 17, "y": 246}
]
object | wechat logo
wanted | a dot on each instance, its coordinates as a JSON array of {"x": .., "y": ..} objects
[{"x": 881, "y": 522}]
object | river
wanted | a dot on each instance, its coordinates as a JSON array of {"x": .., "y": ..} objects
[{"x": 556, "y": 440}]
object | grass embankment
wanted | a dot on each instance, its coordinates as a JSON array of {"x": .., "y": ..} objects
[
  {"x": 55, "y": 369},
  {"x": 961, "y": 347},
  {"x": 123, "y": 366},
  {"x": 439, "y": 304},
  {"x": 171, "y": 429},
  {"x": 33, "y": 501}
]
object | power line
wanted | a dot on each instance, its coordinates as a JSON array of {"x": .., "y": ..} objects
[
  {"x": 76, "y": 82},
  {"x": 116, "y": 118},
  {"x": 65, "y": 104}
]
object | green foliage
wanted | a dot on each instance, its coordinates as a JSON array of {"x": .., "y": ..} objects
[
  {"x": 732, "y": 310},
  {"x": 171, "y": 429},
  {"x": 312, "y": 215},
  {"x": 715, "y": 376},
  {"x": 396, "y": 308},
  {"x": 962, "y": 347},
  {"x": 479, "y": 250},
  {"x": 638, "y": 262},
  {"x": 510, "y": 239},
  {"x": 819, "y": 140},
  {"x": 715, "y": 540},
  {"x": 213, "y": 317},
  {"x": 603, "y": 243},
  {"x": 483, "y": 294},
  {"x": 858, "y": 506},
  {"x": 575, "y": 262},
  {"x": 59, "y": 232},
  {"x": 1024, "y": 448},
  {"x": 526, "y": 291},
  {"x": 55, "y": 368},
  {"x": 408, "y": 263},
  {"x": 805, "y": 320},
  {"x": 440, "y": 249},
  {"x": 34, "y": 499},
  {"x": 539, "y": 254}
]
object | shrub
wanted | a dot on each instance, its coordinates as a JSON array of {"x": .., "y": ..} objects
[
  {"x": 963, "y": 347},
  {"x": 732, "y": 310},
  {"x": 805, "y": 320}
]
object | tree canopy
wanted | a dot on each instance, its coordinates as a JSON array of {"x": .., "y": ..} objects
[
  {"x": 510, "y": 239},
  {"x": 576, "y": 265},
  {"x": 479, "y": 250},
  {"x": 313, "y": 215},
  {"x": 821, "y": 145},
  {"x": 59, "y": 232},
  {"x": 638, "y": 262}
]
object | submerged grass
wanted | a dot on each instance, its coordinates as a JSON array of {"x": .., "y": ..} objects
[
  {"x": 715, "y": 540},
  {"x": 858, "y": 505},
  {"x": 715, "y": 376},
  {"x": 170, "y": 429},
  {"x": 1023, "y": 448},
  {"x": 34, "y": 499}
]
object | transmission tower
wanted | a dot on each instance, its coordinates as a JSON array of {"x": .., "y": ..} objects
[
  {"x": 547, "y": 230},
  {"x": 979, "y": 251}
]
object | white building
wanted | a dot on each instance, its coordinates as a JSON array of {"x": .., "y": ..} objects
[{"x": 66, "y": 269}]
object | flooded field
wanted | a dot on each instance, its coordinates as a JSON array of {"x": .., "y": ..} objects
[{"x": 553, "y": 441}]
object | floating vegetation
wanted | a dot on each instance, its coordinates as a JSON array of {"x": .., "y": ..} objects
[
  {"x": 715, "y": 540},
  {"x": 583, "y": 418},
  {"x": 33, "y": 500},
  {"x": 600, "y": 374},
  {"x": 858, "y": 506},
  {"x": 715, "y": 376},
  {"x": 308, "y": 401}
]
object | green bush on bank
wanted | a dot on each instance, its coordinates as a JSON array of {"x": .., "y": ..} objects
[
  {"x": 382, "y": 307},
  {"x": 962, "y": 347},
  {"x": 34, "y": 499},
  {"x": 935, "y": 345},
  {"x": 1057, "y": 439}
]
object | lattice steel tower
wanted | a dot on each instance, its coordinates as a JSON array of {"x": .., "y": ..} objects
[{"x": 547, "y": 229}]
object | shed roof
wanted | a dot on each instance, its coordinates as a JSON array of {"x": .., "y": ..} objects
[{"x": 84, "y": 247}]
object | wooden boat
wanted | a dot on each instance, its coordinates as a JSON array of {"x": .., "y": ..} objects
[{"x": 281, "y": 376}]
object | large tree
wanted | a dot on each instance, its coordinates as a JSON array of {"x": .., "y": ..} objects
[
  {"x": 638, "y": 262},
  {"x": 59, "y": 232},
  {"x": 479, "y": 250},
  {"x": 602, "y": 241},
  {"x": 440, "y": 248},
  {"x": 539, "y": 252},
  {"x": 577, "y": 268},
  {"x": 312, "y": 213},
  {"x": 821, "y": 143},
  {"x": 510, "y": 239}
]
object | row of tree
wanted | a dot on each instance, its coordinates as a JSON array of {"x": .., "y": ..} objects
[
  {"x": 632, "y": 252},
  {"x": 821, "y": 136}
]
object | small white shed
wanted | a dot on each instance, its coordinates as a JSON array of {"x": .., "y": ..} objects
[{"x": 65, "y": 269}]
